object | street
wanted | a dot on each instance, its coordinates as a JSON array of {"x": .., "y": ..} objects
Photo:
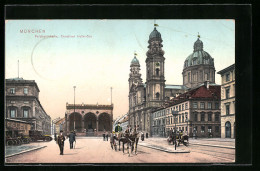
[{"x": 95, "y": 150}]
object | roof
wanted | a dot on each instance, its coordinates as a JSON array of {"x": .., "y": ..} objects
[
  {"x": 155, "y": 34},
  {"x": 22, "y": 81},
  {"x": 135, "y": 61},
  {"x": 180, "y": 87},
  {"x": 198, "y": 93},
  {"x": 229, "y": 68},
  {"x": 198, "y": 56}
]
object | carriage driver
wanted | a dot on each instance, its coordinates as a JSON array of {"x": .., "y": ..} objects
[{"x": 118, "y": 128}]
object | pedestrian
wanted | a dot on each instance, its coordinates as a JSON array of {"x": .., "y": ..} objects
[
  {"x": 61, "y": 140},
  {"x": 107, "y": 135},
  {"x": 55, "y": 137},
  {"x": 104, "y": 135},
  {"x": 72, "y": 138}
]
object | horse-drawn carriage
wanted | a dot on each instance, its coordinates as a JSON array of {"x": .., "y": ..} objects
[
  {"x": 180, "y": 139},
  {"x": 131, "y": 139}
]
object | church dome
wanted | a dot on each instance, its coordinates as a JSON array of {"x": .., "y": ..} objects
[
  {"x": 199, "y": 56},
  {"x": 155, "y": 34},
  {"x": 135, "y": 61}
]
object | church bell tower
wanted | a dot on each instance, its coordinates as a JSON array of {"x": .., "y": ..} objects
[{"x": 155, "y": 80}]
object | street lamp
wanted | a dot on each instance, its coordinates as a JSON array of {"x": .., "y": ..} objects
[
  {"x": 175, "y": 114},
  {"x": 74, "y": 106}
]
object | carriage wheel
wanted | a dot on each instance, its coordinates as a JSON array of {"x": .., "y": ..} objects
[
  {"x": 19, "y": 142},
  {"x": 9, "y": 142}
]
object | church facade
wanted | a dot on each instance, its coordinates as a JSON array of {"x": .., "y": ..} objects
[{"x": 145, "y": 98}]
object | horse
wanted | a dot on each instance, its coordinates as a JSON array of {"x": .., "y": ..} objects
[
  {"x": 125, "y": 139},
  {"x": 134, "y": 137}
]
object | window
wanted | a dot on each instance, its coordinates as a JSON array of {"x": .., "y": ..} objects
[
  {"x": 194, "y": 62},
  {"x": 202, "y": 105},
  {"x": 157, "y": 71},
  {"x": 157, "y": 95},
  {"x": 227, "y": 109},
  {"x": 186, "y": 105},
  {"x": 216, "y": 117},
  {"x": 202, "y": 117},
  {"x": 182, "y": 106},
  {"x": 227, "y": 77},
  {"x": 182, "y": 128},
  {"x": 195, "y": 117},
  {"x": 12, "y": 90},
  {"x": 12, "y": 111},
  {"x": 25, "y": 113},
  {"x": 216, "y": 128},
  {"x": 25, "y": 90},
  {"x": 179, "y": 107},
  {"x": 176, "y": 108},
  {"x": 209, "y": 105},
  {"x": 209, "y": 129},
  {"x": 227, "y": 93},
  {"x": 182, "y": 117},
  {"x": 216, "y": 105},
  {"x": 202, "y": 129},
  {"x": 195, "y": 105},
  {"x": 209, "y": 117}
]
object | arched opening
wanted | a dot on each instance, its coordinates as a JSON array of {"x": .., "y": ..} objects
[
  {"x": 75, "y": 119},
  {"x": 157, "y": 71},
  {"x": 157, "y": 95},
  {"x": 228, "y": 129},
  {"x": 90, "y": 120},
  {"x": 104, "y": 122}
]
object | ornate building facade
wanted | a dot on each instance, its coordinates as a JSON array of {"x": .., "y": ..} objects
[
  {"x": 198, "y": 113},
  {"x": 22, "y": 103},
  {"x": 228, "y": 122},
  {"x": 146, "y": 97}
]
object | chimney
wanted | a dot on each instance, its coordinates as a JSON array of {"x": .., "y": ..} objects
[{"x": 206, "y": 83}]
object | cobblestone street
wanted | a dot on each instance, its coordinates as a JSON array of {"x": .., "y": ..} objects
[{"x": 95, "y": 150}]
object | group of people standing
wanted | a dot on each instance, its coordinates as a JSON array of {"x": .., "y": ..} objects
[{"x": 61, "y": 138}]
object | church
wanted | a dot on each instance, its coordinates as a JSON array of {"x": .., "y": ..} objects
[{"x": 144, "y": 98}]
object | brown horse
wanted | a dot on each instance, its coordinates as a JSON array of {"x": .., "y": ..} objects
[{"x": 134, "y": 137}]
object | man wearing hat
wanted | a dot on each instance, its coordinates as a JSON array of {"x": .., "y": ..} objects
[
  {"x": 118, "y": 128},
  {"x": 61, "y": 139},
  {"x": 72, "y": 138}
]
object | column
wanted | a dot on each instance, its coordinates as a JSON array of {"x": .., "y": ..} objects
[
  {"x": 97, "y": 125},
  {"x": 82, "y": 125}
]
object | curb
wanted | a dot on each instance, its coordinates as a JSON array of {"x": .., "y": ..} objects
[
  {"x": 36, "y": 148},
  {"x": 165, "y": 150},
  {"x": 219, "y": 146}
]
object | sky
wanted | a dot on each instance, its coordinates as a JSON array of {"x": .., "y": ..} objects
[{"x": 101, "y": 58}]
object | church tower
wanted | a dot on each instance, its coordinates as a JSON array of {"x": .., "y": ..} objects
[
  {"x": 155, "y": 81},
  {"x": 134, "y": 81}
]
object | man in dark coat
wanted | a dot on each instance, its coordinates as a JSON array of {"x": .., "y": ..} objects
[
  {"x": 72, "y": 138},
  {"x": 107, "y": 135},
  {"x": 118, "y": 128},
  {"x": 61, "y": 139}
]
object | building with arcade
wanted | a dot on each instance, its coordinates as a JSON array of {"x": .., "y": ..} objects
[{"x": 88, "y": 119}]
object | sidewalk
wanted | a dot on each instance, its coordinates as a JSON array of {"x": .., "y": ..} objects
[{"x": 15, "y": 150}]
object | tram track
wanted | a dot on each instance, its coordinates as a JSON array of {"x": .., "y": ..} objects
[{"x": 228, "y": 154}]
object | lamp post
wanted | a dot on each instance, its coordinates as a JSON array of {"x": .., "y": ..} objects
[
  {"x": 175, "y": 114},
  {"x": 74, "y": 106}
]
